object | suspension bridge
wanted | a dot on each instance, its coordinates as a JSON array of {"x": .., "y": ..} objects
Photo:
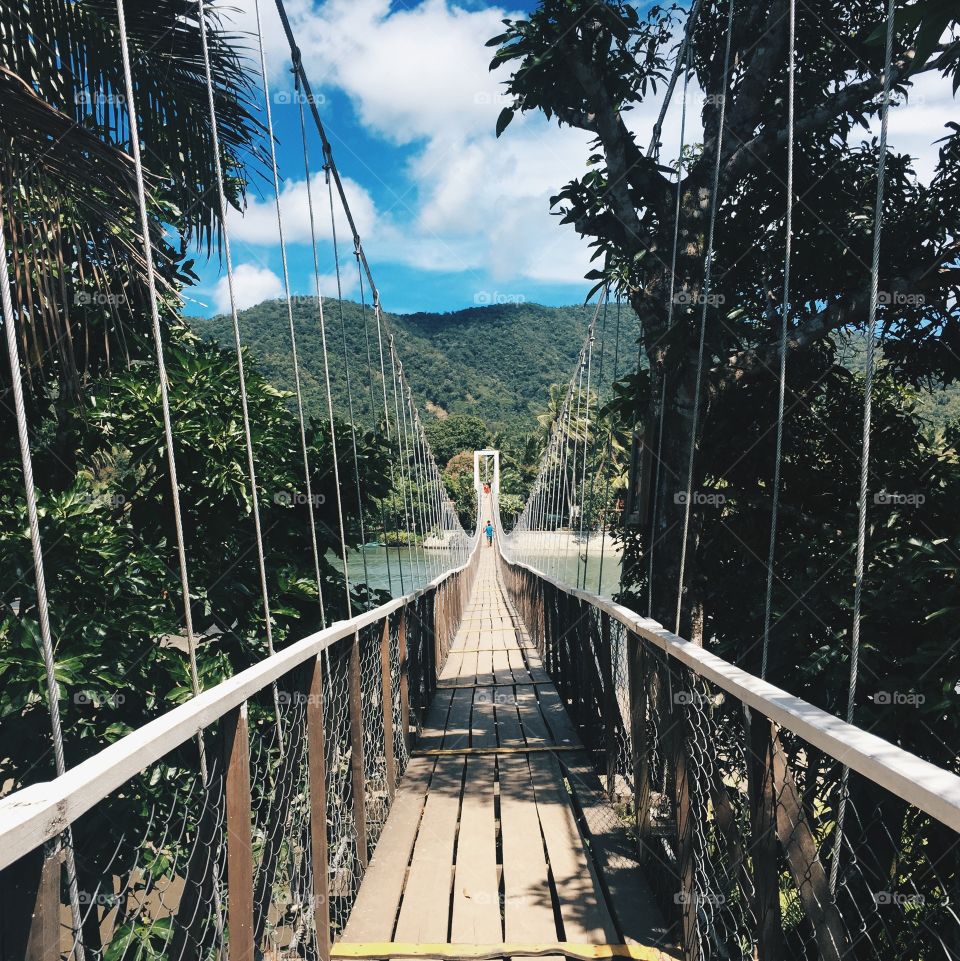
[{"x": 498, "y": 762}]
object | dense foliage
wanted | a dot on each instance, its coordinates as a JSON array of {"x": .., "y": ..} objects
[{"x": 496, "y": 362}]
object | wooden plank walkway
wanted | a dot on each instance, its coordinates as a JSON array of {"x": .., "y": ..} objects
[{"x": 487, "y": 846}]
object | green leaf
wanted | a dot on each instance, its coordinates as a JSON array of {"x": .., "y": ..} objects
[{"x": 503, "y": 121}]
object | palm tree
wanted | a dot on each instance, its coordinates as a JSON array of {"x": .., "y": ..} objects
[{"x": 68, "y": 191}]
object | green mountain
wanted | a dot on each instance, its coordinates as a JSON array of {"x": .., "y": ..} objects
[{"x": 495, "y": 362}]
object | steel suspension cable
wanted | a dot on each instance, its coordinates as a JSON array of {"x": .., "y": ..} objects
[
  {"x": 653, "y": 150},
  {"x": 784, "y": 315},
  {"x": 707, "y": 280},
  {"x": 134, "y": 127},
  {"x": 586, "y": 449},
  {"x": 651, "y": 546},
  {"x": 599, "y": 466},
  {"x": 606, "y": 495},
  {"x": 40, "y": 581},
  {"x": 373, "y": 413},
  {"x": 247, "y": 432},
  {"x": 326, "y": 364},
  {"x": 404, "y": 461},
  {"x": 859, "y": 566},
  {"x": 346, "y": 371},
  {"x": 308, "y": 486}
]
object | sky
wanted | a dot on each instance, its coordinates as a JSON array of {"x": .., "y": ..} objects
[{"x": 450, "y": 216}]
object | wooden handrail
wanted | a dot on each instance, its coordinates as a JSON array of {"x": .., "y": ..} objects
[
  {"x": 926, "y": 786},
  {"x": 37, "y": 813}
]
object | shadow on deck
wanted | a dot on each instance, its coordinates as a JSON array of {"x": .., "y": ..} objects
[{"x": 499, "y": 834}]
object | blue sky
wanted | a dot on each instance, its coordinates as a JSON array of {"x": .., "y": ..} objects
[{"x": 450, "y": 216}]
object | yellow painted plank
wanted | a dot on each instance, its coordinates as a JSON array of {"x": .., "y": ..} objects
[{"x": 480, "y": 952}]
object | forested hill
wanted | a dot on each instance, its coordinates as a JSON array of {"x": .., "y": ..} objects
[{"x": 496, "y": 362}]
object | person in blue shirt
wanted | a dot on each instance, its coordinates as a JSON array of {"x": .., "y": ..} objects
[{"x": 488, "y": 530}]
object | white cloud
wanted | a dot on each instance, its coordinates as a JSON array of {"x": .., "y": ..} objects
[
  {"x": 251, "y": 285},
  {"x": 418, "y": 78},
  {"x": 258, "y": 224}
]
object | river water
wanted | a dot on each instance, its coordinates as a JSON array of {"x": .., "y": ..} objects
[{"x": 386, "y": 566}]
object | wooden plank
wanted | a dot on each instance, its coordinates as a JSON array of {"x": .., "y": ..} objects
[
  {"x": 404, "y": 680},
  {"x": 476, "y": 892},
  {"x": 561, "y": 727},
  {"x": 528, "y": 907},
  {"x": 532, "y": 722},
  {"x": 484, "y": 722},
  {"x": 386, "y": 703},
  {"x": 432, "y": 734},
  {"x": 44, "y": 941},
  {"x": 358, "y": 781},
  {"x": 629, "y": 896},
  {"x": 30, "y": 908},
  {"x": 375, "y": 912},
  {"x": 499, "y": 749},
  {"x": 491, "y": 952},
  {"x": 611, "y": 709},
  {"x": 764, "y": 845},
  {"x": 424, "y": 910},
  {"x": 317, "y": 774},
  {"x": 236, "y": 755},
  {"x": 582, "y": 905},
  {"x": 804, "y": 861},
  {"x": 458, "y": 733}
]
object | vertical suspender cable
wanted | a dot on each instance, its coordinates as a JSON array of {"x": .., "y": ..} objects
[
  {"x": 586, "y": 450},
  {"x": 134, "y": 130},
  {"x": 784, "y": 315},
  {"x": 651, "y": 546},
  {"x": 606, "y": 493},
  {"x": 43, "y": 608},
  {"x": 373, "y": 410},
  {"x": 293, "y": 334},
  {"x": 247, "y": 434},
  {"x": 707, "y": 279},
  {"x": 158, "y": 349},
  {"x": 346, "y": 370},
  {"x": 326, "y": 363},
  {"x": 867, "y": 413}
]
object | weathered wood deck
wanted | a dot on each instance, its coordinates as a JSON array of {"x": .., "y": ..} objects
[{"x": 493, "y": 839}]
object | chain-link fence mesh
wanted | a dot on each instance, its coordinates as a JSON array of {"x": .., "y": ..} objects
[
  {"x": 737, "y": 819},
  {"x": 160, "y": 861}
]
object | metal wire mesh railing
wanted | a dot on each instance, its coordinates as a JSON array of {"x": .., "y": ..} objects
[
  {"x": 733, "y": 789},
  {"x": 254, "y": 833}
]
